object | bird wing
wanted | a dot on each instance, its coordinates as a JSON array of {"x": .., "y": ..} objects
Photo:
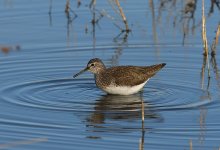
[
  {"x": 132, "y": 75},
  {"x": 128, "y": 75}
]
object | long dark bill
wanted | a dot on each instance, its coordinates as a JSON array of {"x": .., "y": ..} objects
[{"x": 80, "y": 72}]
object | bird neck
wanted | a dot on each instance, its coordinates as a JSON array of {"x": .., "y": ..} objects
[{"x": 101, "y": 69}]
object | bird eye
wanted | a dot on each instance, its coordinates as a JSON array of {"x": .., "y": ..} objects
[{"x": 92, "y": 64}]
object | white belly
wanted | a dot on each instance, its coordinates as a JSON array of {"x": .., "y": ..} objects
[{"x": 124, "y": 90}]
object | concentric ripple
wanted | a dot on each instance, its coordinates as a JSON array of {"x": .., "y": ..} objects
[
  {"x": 54, "y": 94},
  {"x": 174, "y": 97},
  {"x": 79, "y": 95},
  {"x": 43, "y": 85}
]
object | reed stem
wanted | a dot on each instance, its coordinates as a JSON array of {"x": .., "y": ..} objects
[
  {"x": 122, "y": 15},
  {"x": 142, "y": 114},
  {"x": 204, "y": 37},
  {"x": 215, "y": 42},
  {"x": 67, "y": 8},
  {"x": 190, "y": 145}
]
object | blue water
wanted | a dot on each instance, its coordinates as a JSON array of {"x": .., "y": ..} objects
[{"x": 43, "y": 107}]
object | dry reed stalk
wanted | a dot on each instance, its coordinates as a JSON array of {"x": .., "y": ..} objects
[
  {"x": 142, "y": 112},
  {"x": 215, "y": 42},
  {"x": 92, "y": 4},
  {"x": 141, "y": 143},
  {"x": 203, "y": 72},
  {"x": 67, "y": 8},
  {"x": 217, "y": 34},
  {"x": 190, "y": 145},
  {"x": 123, "y": 16},
  {"x": 204, "y": 37}
]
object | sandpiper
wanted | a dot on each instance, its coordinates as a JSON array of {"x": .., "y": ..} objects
[{"x": 121, "y": 80}]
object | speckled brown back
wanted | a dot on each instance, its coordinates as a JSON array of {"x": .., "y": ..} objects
[{"x": 127, "y": 75}]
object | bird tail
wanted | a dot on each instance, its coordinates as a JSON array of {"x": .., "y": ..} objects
[{"x": 155, "y": 68}]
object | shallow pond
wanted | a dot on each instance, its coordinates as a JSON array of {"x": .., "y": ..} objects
[{"x": 43, "y": 107}]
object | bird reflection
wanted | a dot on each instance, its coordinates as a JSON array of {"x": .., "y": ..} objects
[
  {"x": 111, "y": 108},
  {"x": 116, "y": 107}
]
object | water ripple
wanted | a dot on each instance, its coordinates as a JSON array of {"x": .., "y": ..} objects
[
  {"x": 57, "y": 94},
  {"x": 173, "y": 97}
]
